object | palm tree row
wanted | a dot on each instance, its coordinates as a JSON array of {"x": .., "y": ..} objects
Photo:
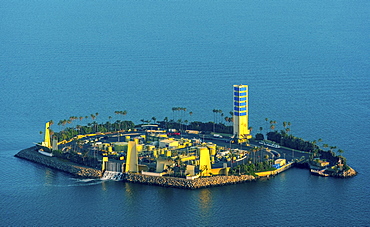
[
  {"x": 181, "y": 119},
  {"x": 216, "y": 112},
  {"x": 285, "y": 138},
  {"x": 183, "y": 109},
  {"x": 93, "y": 127},
  {"x": 121, "y": 112},
  {"x": 72, "y": 119}
]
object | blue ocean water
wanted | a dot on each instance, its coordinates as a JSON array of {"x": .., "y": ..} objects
[{"x": 305, "y": 62}]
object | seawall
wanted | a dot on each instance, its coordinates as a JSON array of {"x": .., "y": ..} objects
[
  {"x": 33, "y": 155},
  {"x": 186, "y": 183}
]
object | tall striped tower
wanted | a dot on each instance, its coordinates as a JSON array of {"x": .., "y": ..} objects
[{"x": 240, "y": 117}]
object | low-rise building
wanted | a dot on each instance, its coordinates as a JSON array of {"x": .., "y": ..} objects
[{"x": 170, "y": 144}]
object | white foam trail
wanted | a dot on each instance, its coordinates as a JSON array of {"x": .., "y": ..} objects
[{"x": 110, "y": 175}]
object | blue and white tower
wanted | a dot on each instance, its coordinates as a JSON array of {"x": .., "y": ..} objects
[{"x": 240, "y": 116}]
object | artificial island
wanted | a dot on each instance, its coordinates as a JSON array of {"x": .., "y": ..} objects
[{"x": 183, "y": 154}]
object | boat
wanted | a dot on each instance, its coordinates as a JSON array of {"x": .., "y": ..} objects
[
  {"x": 41, "y": 151},
  {"x": 319, "y": 172}
]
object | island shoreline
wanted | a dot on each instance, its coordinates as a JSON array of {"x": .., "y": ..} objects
[{"x": 32, "y": 154}]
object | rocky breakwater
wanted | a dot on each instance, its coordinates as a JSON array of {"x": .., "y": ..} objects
[
  {"x": 33, "y": 155},
  {"x": 186, "y": 183}
]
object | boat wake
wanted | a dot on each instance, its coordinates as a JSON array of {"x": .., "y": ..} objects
[{"x": 76, "y": 182}]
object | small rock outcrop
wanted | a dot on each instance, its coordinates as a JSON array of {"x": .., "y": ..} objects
[{"x": 345, "y": 174}]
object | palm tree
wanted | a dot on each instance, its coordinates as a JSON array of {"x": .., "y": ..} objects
[
  {"x": 94, "y": 123},
  {"x": 186, "y": 124},
  {"x": 124, "y": 113},
  {"x": 165, "y": 121},
  {"x": 325, "y": 145},
  {"x": 78, "y": 127},
  {"x": 340, "y": 151},
  {"x": 180, "y": 123},
  {"x": 332, "y": 148},
  {"x": 63, "y": 122},
  {"x": 169, "y": 169},
  {"x": 154, "y": 119},
  {"x": 96, "y": 115},
  {"x": 287, "y": 130},
  {"x": 227, "y": 119},
  {"x": 272, "y": 127},
  {"x": 220, "y": 113},
  {"x": 176, "y": 109},
  {"x": 215, "y": 114},
  {"x": 59, "y": 124},
  {"x": 183, "y": 109},
  {"x": 70, "y": 120},
  {"x": 250, "y": 130},
  {"x": 41, "y": 132},
  {"x": 173, "y": 113}
]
